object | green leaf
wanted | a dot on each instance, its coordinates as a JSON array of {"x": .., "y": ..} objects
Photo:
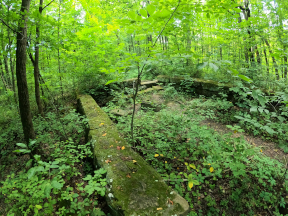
[
  {"x": 235, "y": 72},
  {"x": 54, "y": 166},
  {"x": 262, "y": 100},
  {"x": 111, "y": 81},
  {"x": 132, "y": 15},
  {"x": 39, "y": 168},
  {"x": 38, "y": 207},
  {"x": 208, "y": 15},
  {"x": 47, "y": 189},
  {"x": 269, "y": 130},
  {"x": 37, "y": 157},
  {"x": 253, "y": 109},
  {"x": 237, "y": 10},
  {"x": 213, "y": 66},
  {"x": 163, "y": 13},
  {"x": 202, "y": 65},
  {"x": 22, "y": 151},
  {"x": 32, "y": 143},
  {"x": 245, "y": 78},
  {"x": 22, "y": 145},
  {"x": 75, "y": 195},
  {"x": 151, "y": 9},
  {"x": 143, "y": 13},
  {"x": 87, "y": 178},
  {"x": 281, "y": 119},
  {"x": 56, "y": 184},
  {"x": 138, "y": 18},
  {"x": 31, "y": 172}
]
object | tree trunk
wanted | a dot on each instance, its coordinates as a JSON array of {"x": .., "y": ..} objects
[
  {"x": 36, "y": 65},
  {"x": 3, "y": 76},
  {"x": 221, "y": 53},
  {"x": 267, "y": 63},
  {"x": 59, "y": 66},
  {"x": 258, "y": 55},
  {"x": 273, "y": 59},
  {"x": 285, "y": 67},
  {"x": 23, "y": 94}
]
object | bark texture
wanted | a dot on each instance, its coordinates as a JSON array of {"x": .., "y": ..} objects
[{"x": 23, "y": 94}]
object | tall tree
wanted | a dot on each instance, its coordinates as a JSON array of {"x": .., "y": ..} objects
[
  {"x": 35, "y": 62},
  {"x": 23, "y": 94}
]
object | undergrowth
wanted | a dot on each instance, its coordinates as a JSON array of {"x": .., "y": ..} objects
[
  {"x": 217, "y": 175},
  {"x": 56, "y": 179}
]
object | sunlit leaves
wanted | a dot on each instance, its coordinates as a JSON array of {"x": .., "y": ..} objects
[
  {"x": 143, "y": 13},
  {"x": 151, "y": 9},
  {"x": 162, "y": 14}
]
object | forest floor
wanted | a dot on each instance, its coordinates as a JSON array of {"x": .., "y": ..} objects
[
  {"x": 184, "y": 120},
  {"x": 268, "y": 148}
]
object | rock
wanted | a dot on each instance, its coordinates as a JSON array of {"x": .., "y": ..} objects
[
  {"x": 149, "y": 84},
  {"x": 150, "y": 105},
  {"x": 134, "y": 188},
  {"x": 119, "y": 112}
]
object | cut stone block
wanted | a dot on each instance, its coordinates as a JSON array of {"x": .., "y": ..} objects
[
  {"x": 150, "y": 83},
  {"x": 119, "y": 112},
  {"x": 134, "y": 187}
]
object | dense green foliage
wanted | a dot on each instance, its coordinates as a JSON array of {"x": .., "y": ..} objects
[
  {"x": 233, "y": 176},
  {"x": 84, "y": 45}
]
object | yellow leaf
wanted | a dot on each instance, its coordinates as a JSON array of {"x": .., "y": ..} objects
[
  {"x": 159, "y": 209},
  {"x": 104, "y": 134},
  {"x": 156, "y": 155},
  {"x": 101, "y": 124},
  {"x": 161, "y": 155},
  {"x": 209, "y": 164},
  {"x": 190, "y": 184},
  {"x": 260, "y": 150},
  {"x": 123, "y": 147},
  {"x": 211, "y": 169},
  {"x": 165, "y": 161},
  {"x": 134, "y": 161},
  {"x": 235, "y": 131},
  {"x": 192, "y": 166},
  {"x": 186, "y": 163}
]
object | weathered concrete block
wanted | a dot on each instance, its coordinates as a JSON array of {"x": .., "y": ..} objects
[
  {"x": 149, "y": 84},
  {"x": 119, "y": 112},
  {"x": 134, "y": 188}
]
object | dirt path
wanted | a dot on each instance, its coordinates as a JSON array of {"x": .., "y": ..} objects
[{"x": 269, "y": 149}]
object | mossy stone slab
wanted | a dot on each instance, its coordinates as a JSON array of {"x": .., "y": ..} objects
[{"x": 134, "y": 187}]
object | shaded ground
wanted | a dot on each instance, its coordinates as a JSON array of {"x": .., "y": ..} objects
[{"x": 270, "y": 149}]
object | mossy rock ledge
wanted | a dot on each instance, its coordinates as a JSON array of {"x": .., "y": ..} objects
[{"x": 134, "y": 187}]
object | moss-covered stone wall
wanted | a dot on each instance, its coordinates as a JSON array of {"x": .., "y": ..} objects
[{"x": 134, "y": 187}]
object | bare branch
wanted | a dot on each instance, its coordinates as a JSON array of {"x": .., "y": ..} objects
[{"x": 48, "y": 4}]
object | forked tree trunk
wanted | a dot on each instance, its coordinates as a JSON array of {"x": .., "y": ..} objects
[{"x": 23, "y": 95}]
